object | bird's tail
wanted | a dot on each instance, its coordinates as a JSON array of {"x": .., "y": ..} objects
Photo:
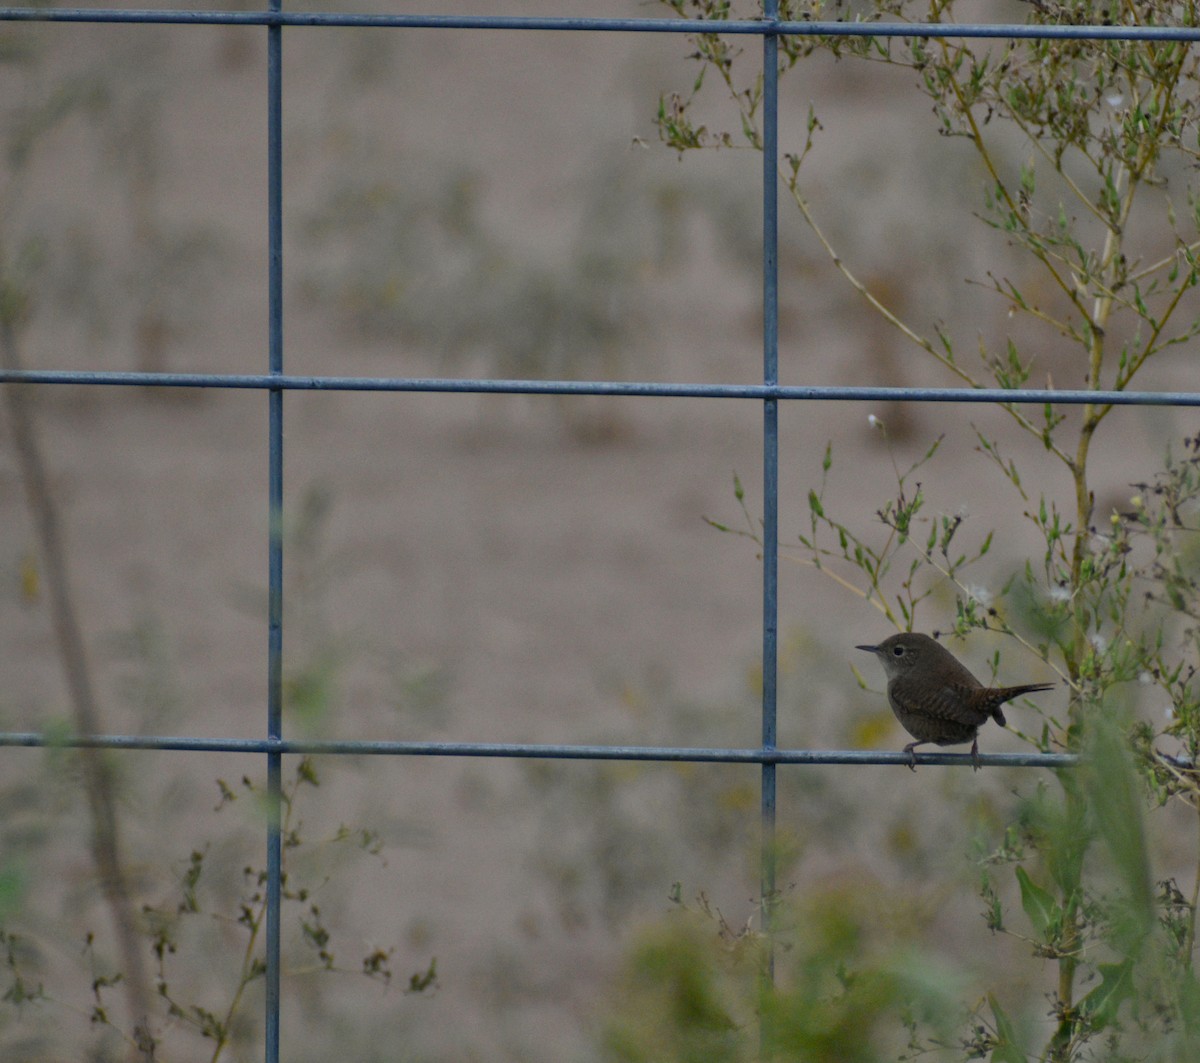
[{"x": 1003, "y": 694}]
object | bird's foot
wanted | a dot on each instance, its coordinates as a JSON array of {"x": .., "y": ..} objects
[
  {"x": 975, "y": 755},
  {"x": 912, "y": 757}
]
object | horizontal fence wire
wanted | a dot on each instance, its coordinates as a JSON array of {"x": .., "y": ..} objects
[
  {"x": 743, "y": 27},
  {"x": 527, "y": 750},
  {"x": 649, "y": 389},
  {"x": 274, "y": 746}
]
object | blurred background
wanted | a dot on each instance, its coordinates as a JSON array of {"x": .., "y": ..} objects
[{"x": 476, "y": 568}]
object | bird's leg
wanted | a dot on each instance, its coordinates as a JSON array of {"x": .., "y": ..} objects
[
  {"x": 912, "y": 757},
  {"x": 975, "y": 755}
]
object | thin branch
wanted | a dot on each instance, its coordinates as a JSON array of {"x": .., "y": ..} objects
[{"x": 97, "y": 772}]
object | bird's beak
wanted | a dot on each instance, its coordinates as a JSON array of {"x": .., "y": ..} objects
[{"x": 869, "y": 649}]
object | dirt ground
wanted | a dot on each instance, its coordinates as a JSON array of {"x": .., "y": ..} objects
[{"x": 467, "y": 567}]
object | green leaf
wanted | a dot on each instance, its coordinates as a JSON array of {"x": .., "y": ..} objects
[
  {"x": 1027, "y": 179},
  {"x": 1114, "y": 795},
  {"x": 1043, "y": 911},
  {"x": 12, "y": 889},
  {"x": 1116, "y": 985},
  {"x": 1006, "y": 1051}
]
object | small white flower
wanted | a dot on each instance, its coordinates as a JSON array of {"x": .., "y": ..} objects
[
  {"x": 1114, "y": 98},
  {"x": 1098, "y": 641},
  {"x": 979, "y": 594},
  {"x": 874, "y": 421},
  {"x": 1145, "y": 678},
  {"x": 1059, "y": 593},
  {"x": 1169, "y": 712}
]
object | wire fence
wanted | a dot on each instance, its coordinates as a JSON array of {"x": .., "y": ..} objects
[{"x": 770, "y": 393}]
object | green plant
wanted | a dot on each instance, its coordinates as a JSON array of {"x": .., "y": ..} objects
[
  {"x": 1094, "y": 207},
  {"x": 212, "y": 908},
  {"x": 852, "y": 984},
  {"x": 313, "y": 946}
]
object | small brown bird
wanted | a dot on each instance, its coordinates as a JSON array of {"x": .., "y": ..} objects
[{"x": 934, "y": 697}]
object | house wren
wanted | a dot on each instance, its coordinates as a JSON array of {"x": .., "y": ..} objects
[{"x": 934, "y": 697}]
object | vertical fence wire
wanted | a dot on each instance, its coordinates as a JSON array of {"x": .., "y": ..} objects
[
  {"x": 770, "y": 552},
  {"x": 275, "y": 530}
]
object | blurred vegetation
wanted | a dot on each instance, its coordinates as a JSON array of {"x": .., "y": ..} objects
[
  {"x": 151, "y": 293},
  {"x": 852, "y": 983}
]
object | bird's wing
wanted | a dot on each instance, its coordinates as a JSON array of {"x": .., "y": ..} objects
[{"x": 951, "y": 702}]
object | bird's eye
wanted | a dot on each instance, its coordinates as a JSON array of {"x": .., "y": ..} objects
[{"x": 897, "y": 651}]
